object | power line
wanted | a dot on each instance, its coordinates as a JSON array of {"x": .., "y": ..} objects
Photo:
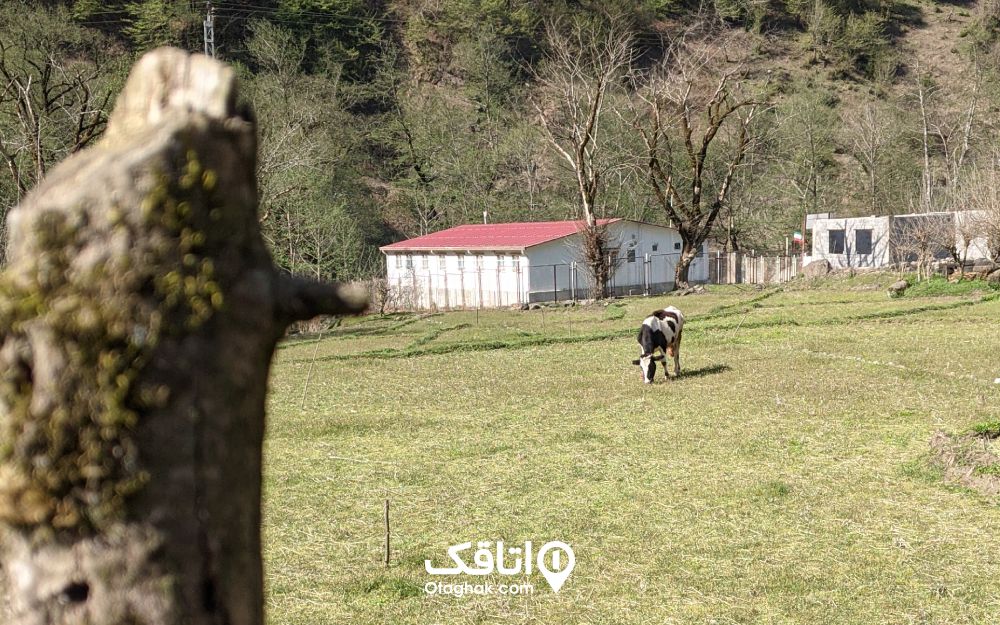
[
  {"x": 258, "y": 9},
  {"x": 209, "y": 30},
  {"x": 233, "y": 11}
]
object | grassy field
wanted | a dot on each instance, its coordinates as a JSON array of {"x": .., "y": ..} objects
[{"x": 783, "y": 478}]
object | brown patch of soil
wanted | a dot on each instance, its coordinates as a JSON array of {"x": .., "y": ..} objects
[{"x": 964, "y": 458}]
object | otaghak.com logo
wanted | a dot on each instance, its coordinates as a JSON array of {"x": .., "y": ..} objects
[{"x": 554, "y": 560}]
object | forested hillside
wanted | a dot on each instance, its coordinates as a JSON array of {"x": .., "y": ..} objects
[{"x": 381, "y": 120}]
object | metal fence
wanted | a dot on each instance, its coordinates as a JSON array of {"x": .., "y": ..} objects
[
  {"x": 498, "y": 283},
  {"x": 743, "y": 268}
]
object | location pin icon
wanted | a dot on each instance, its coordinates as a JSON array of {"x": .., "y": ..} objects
[{"x": 561, "y": 566}]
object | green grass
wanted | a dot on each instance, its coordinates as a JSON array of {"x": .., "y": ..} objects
[
  {"x": 991, "y": 469},
  {"x": 990, "y": 429},
  {"x": 782, "y": 479},
  {"x": 938, "y": 285}
]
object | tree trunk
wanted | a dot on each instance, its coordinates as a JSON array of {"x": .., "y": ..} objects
[
  {"x": 596, "y": 258},
  {"x": 688, "y": 254},
  {"x": 139, "y": 314}
]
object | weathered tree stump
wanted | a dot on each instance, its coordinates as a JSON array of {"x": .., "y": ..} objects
[{"x": 138, "y": 316}]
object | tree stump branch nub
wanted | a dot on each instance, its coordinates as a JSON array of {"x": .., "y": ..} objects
[{"x": 139, "y": 314}]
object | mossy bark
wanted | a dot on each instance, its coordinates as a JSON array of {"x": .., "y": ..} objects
[{"x": 139, "y": 313}]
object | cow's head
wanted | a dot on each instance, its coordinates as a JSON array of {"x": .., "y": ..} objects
[{"x": 647, "y": 365}]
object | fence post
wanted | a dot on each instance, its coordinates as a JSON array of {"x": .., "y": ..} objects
[
  {"x": 612, "y": 270},
  {"x": 517, "y": 279},
  {"x": 645, "y": 274},
  {"x": 572, "y": 280},
  {"x": 479, "y": 281},
  {"x": 447, "y": 294},
  {"x": 461, "y": 282},
  {"x": 580, "y": 293}
]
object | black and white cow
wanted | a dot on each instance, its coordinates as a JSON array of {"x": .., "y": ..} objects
[{"x": 661, "y": 330}]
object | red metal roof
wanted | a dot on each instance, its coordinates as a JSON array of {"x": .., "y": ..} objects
[{"x": 501, "y": 237}]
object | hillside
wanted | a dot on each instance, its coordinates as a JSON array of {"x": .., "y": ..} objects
[{"x": 385, "y": 120}]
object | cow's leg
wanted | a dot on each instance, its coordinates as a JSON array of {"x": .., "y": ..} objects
[{"x": 675, "y": 351}]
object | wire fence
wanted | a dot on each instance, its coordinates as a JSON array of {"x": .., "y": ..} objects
[{"x": 501, "y": 282}]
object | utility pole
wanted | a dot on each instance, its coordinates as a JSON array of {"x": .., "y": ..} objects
[{"x": 209, "y": 29}]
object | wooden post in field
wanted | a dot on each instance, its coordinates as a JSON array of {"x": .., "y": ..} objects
[
  {"x": 139, "y": 314},
  {"x": 387, "y": 533}
]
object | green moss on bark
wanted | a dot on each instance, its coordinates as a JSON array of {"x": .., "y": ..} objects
[{"x": 77, "y": 339}]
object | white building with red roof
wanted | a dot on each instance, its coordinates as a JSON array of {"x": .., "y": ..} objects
[{"x": 496, "y": 265}]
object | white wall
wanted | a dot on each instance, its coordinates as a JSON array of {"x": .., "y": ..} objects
[
  {"x": 450, "y": 279},
  {"x": 660, "y": 244},
  {"x": 978, "y": 246},
  {"x": 882, "y": 243},
  {"x": 880, "y": 254},
  {"x": 662, "y": 260},
  {"x": 542, "y": 273}
]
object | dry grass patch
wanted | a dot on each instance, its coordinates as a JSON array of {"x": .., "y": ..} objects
[{"x": 971, "y": 459}]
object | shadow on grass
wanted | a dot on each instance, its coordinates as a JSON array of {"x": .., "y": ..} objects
[{"x": 703, "y": 371}]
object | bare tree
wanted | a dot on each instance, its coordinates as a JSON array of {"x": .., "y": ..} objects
[
  {"x": 946, "y": 132},
  {"x": 923, "y": 239},
  {"x": 966, "y": 232},
  {"x": 585, "y": 64},
  {"x": 956, "y": 132},
  {"x": 925, "y": 91},
  {"x": 869, "y": 141},
  {"x": 988, "y": 225},
  {"x": 981, "y": 194},
  {"x": 41, "y": 96},
  {"x": 381, "y": 295},
  {"x": 294, "y": 111},
  {"x": 807, "y": 169},
  {"x": 699, "y": 90},
  {"x": 55, "y": 94}
]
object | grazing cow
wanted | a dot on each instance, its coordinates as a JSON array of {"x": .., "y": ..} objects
[{"x": 661, "y": 330}]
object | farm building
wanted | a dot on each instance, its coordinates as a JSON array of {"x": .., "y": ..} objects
[
  {"x": 883, "y": 241},
  {"x": 494, "y": 265}
]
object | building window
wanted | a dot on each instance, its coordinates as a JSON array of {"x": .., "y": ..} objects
[
  {"x": 441, "y": 263},
  {"x": 631, "y": 256},
  {"x": 461, "y": 262},
  {"x": 677, "y": 246},
  {"x": 409, "y": 261},
  {"x": 863, "y": 241},
  {"x": 425, "y": 262},
  {"x": 836, "y": 241},
  {"x": 501, "y": 261},
  {"x": 399, "y": 261},
  {"x": 656, "y": 246}
]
